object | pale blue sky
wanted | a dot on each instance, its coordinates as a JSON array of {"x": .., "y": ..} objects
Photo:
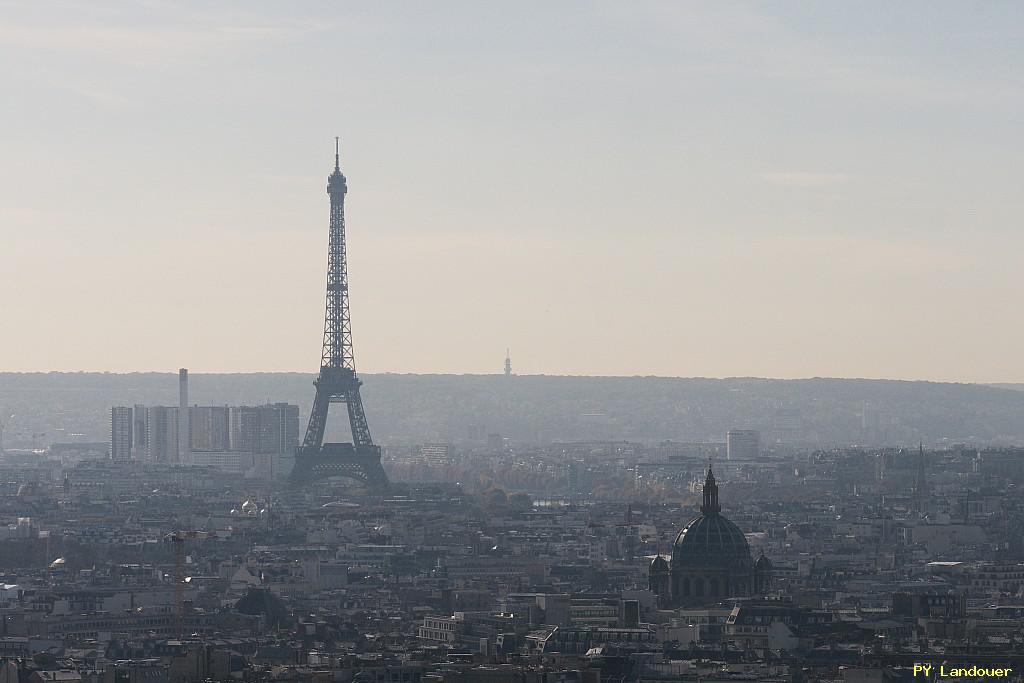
[{"x": 715, "y": 189}]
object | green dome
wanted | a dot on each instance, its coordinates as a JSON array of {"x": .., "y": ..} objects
[{"x": 711, "y": 541}]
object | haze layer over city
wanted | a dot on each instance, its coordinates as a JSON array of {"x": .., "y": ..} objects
[
  {"x": 511, "y": 342},
  {"x": 701, "y": 189}
]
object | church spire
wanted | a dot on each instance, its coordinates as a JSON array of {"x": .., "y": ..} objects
[{"x": 710, "y": 505}]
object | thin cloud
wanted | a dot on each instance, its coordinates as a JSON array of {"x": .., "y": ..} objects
[
  {"x": 137, "y": 45},
  {"x": 801, "y": 179},
  {"x": 749, "y": 41}
]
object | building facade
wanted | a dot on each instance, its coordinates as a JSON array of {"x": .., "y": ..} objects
[
  {"x": 121, "y": 434},
  {"x": 743, "y": 444}
]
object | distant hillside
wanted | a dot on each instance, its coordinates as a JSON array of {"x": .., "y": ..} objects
[{"x": 416, "y": 408}]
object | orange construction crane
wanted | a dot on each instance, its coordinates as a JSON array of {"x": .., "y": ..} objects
[{"x": 178, "y": 538}]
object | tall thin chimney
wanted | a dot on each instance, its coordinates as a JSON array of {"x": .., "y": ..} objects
[{"x": 184, "y": 447}]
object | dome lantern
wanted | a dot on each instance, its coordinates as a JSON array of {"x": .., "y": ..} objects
[{"x": 711, "y": 506}]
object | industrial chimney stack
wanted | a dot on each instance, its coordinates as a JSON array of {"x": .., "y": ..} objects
[{"x": 184, "y": 445}]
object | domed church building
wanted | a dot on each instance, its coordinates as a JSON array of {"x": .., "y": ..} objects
[{"x": 710, "y": 561}]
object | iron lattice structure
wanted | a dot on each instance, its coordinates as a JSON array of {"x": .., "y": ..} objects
[{"x": 337, "y": 381}]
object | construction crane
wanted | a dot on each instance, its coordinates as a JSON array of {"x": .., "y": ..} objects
[
  {"x": 3, "y": 426},
  {"x": 178, "y": 539}
]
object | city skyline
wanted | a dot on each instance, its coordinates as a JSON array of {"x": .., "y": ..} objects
[
  {"x": 687, "y": 335},
  {"x": 716, "y": 191}
]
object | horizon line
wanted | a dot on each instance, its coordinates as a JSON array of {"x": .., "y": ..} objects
[{"x": 500, "y": 374}]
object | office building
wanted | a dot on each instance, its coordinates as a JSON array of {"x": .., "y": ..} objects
[
  {"x": 140, "y": 433},
  {"x": 162, "y": 434},
  {"x": 210, "y": 428},
  {"x": 743, "y": 444},
  {"x": 121, "y": 434}
]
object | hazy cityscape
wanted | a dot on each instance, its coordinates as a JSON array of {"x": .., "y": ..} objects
[{"x": 176, "y": 508}]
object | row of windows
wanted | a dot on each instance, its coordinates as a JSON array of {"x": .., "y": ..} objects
[
  {"x": 586, "y": 636},
  {"x": 1001, "y": 575},
  {"x": 439, "y": 624},
  {"x": 584, "y": 612},
  {"x": 712, "y": 587}
]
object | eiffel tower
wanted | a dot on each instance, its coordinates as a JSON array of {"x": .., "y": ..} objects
[{"x": 337, "y": 381}]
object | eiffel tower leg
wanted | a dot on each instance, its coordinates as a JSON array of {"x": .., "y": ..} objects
[
  {"x": 357, "y": 419},
  {"x": 376, "y": 478},
  {"x": 317, "y": 418}
]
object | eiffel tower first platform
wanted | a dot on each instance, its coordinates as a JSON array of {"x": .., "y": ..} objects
[{"x": 338, "y": 382}]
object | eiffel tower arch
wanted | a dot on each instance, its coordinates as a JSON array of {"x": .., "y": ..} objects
[{"x": 337, "y": 381}]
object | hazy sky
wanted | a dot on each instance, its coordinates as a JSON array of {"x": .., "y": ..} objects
[{"x": 673, "y": 188}]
